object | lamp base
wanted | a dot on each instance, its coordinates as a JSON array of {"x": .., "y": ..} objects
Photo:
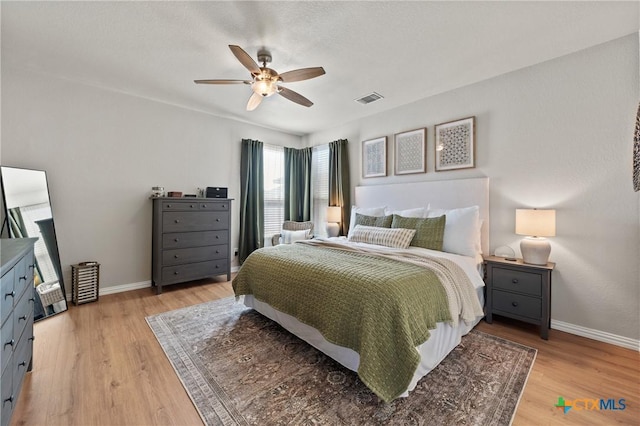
[
  {"x": 535, "y": 250},
  {"x": 333, "y": 229}
]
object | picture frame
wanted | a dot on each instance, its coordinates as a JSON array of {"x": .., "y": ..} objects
[
  {"x": 374, "y": 157},
  {"x": 410, "y": 152},
  {"x": 455, "y": 144}
]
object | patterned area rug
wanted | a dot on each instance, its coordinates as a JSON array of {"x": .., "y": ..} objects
[{"x": 239, "y": 367}]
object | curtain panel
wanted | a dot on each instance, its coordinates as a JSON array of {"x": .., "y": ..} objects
[
  {"x": 251, "y": 198},
  {"x": 636, "y": 153},
  {"x": 339, "y": 187},
  {"x": 297, "y": 184}
]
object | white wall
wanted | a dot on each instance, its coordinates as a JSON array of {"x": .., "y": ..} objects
[
  {"x": 103, "y": 151},
  {"x": 555, "y": 135}
]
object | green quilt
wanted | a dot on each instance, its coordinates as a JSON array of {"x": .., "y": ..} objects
[{"x": 381, "y": 308}]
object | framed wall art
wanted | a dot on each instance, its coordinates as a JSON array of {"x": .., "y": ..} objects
[
  {"x": 409, "y": 152},
  {"x": 374, "y": 157},
  {"x": 455, "y": 144}
]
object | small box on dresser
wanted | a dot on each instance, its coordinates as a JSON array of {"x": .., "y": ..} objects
[
  {"x": 519, "y": 290},
  {"x": 16, "y": 315},
  {"x": 190, "y": 239}
]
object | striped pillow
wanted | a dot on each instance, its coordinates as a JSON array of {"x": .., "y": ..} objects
[{"x": 396, "y": 238}]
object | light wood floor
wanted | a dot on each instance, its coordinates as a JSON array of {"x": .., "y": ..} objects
[{"x": 100, "y": 364}]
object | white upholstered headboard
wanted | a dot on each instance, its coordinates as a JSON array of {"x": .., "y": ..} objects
[{"x": 440, "y": 194}]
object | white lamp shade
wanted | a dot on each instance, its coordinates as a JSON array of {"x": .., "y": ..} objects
[
  {"x": 334, "y": 214},
  {"x": 536, "y": 223}
]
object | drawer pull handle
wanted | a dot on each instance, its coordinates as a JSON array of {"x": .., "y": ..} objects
[
  {"x": 32, "y": 266},
  {"x": 177, "y": 220},
  {"x": 218, "y": 220},
  {"x": 22, "y": 318},
  {"x": 204, "y": 206},
  {"x": 32, "y": 299},
  {"x": 175, "y": 256},
  {"x": 22, "y": 278},
  {"x": 22, "y": 364},
  {"x": 217, "y": 266},
  {"x": 175, "y": 273},
  {"x": 191, "y": 206},
  {"x": 10, "y": 343},
  {"x": 176, "y": 239},
  {"x": 515, "y": 281},
  {"x": 514, "y": 304},
  {"x": 32, "y": 338},
  {"x": 169, "y": 206},
  {"x": 12, "y": 294},
  {"x": 223, "y": 206},
  {"x": 217, "y": 251},
  {"x": 10, "y": 399},
  {"x": 217, "y": 237}
]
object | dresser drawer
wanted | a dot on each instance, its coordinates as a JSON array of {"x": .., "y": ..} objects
[
  {"x": 194, "y": 221},
  {"x": 21, "y": 360},
  {"x": 179, "y": 206},
  {"x": 214, "y": 205},
  {"x": 194, "y": 239},
  {"x": 8, "y": 399},
  {"x": 8, "y": 342},
  {"x": 7, "y": 295},
  {"x": 193, "y": 271},
  {"x": 22, "y": 313},
  {"x": 519, "y": 281},
  {"x": 517, "y": 304},
  {"x": 192, "y": 255}
]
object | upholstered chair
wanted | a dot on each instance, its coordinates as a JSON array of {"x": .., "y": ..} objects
[{"x": 290, "y": 225}]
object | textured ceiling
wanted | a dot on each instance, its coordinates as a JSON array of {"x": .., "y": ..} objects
[{"x": 403, "y": 50}]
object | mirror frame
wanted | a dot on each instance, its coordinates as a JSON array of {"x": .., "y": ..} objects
[{"x": 5, "y": 222}]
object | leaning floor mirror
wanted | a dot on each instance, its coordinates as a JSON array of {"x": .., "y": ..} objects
[{"x": 28, "y": 213}]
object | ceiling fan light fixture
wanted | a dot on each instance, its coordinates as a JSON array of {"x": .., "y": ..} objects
[{"x": 264, "y": 87}]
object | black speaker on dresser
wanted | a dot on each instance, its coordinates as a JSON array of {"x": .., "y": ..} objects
[{"x": 215, "y": 192}]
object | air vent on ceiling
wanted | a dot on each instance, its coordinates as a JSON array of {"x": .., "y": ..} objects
[{"x": 371, "y": 97}]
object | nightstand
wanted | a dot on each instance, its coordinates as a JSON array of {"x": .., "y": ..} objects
[{"x": 519, "y": 290}]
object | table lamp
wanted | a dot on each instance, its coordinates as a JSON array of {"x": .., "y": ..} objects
[
  {"x": 535, "y": 224},
  {"x": 334, "y": 214}
]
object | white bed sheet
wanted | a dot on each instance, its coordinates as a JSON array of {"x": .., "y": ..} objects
[{"x": 442, "y": 341}]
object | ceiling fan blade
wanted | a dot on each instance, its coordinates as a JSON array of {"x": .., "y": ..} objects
[
  {"x": 301, "y": 74},
  {"x": 245, "y": 59},
  {"x": 222, "y": 81},
  {"x": 294, "y": 96},
  {"x": 254, "y": 101}
]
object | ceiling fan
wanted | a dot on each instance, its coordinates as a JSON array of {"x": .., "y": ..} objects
[{"x": 265, "y": 81}]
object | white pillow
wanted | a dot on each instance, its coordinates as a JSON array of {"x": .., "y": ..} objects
[
  {"x": 290, "y": 237},
  {"x": 390, "y": 237},
  {"x": 371, "y": 211},
  {"x": 420, "y": 212},
  {"x": 461, "y": 230}
]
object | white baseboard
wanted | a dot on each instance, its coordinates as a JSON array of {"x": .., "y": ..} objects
[
  {"x": 124, "y": 287},
  {"x": 601, "y": 336},
  {"x": 135, "y": 286}
]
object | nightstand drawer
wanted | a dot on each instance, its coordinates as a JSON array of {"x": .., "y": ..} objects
[
  {"x": 519, "y": 281},
  {"x": 517, "y": 304}
]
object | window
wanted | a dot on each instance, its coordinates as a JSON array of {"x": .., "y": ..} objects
[
  {"x": 273, "y": 158},
  {"x": 320, "y": 189}
]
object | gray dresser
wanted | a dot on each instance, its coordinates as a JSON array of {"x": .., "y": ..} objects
[
  {"x": 190, "y": 239},
  {"x": 16, "y": 312}
]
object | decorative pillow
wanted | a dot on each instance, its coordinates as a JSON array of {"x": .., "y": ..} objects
[
  {"x": 396, "y": 238},
  {"x": 461, "y": 230},
  {"x": 289, "y": 237},
  {"x": 380, "y": 222},
  {"x": 417, "y": 212},
  {"x": 429, "y": 231},
  {"x": 371, "y": 211}
]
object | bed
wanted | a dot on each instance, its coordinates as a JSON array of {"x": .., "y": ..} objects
[{"x": 378, "y": 309}]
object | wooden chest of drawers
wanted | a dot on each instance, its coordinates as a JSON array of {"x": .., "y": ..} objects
[
  {"x": 190, "y": 239},
  {"x": 16, "y": 316},
  {"x": 520, "y": 291}
]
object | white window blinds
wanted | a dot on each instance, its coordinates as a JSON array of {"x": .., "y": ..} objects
[
  {"x": 273, "y": 158},
  {"x": 320, "y": 189}
]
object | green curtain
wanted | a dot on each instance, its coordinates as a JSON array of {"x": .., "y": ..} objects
[
  {"x": 339, "y": 188},
  {"x": 251, "y": 198},
  {"x": 297, "y": 184}
]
